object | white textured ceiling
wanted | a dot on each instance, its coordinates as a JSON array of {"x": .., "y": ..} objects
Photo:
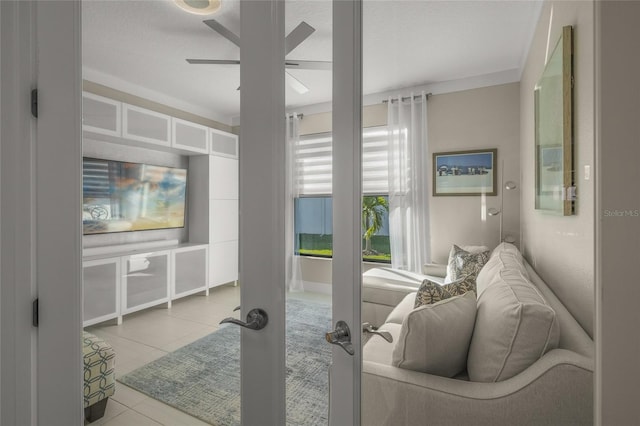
[{"x": 144, "y": 44}]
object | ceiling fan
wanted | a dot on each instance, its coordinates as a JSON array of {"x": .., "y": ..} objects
[{"x": 293, "y": 40}]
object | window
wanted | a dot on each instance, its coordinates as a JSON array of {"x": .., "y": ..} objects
[{"x": 313, "y": 208}]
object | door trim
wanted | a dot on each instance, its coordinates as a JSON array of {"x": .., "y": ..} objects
[
  {"x": 58, "y": 197},
  {"x": 18, "y": 342}
]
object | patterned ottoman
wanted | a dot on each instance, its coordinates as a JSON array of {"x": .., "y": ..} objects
[{"x": 99, "y": 377}]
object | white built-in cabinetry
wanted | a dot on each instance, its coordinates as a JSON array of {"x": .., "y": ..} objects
[
  {"x": 118, "y": 284},
  {"x": 118, "y": 122},
  {"x": 215, "y": 219}
]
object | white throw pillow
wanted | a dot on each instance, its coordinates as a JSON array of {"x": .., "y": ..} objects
[
  {"x": 435, "y": 338},
  {"x": 514, "y": 327}
]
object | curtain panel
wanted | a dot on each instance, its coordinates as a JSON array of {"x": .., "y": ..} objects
[{"x": 408, "y": 182}]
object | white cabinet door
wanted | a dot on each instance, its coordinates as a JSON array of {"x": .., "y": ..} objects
[
  {"x": 101, "y": 290},
  {"x": 224, "y": 263},
  {"x": 223, "y": 178},
  {"x": 145, "y": 280},
  {"x": 101, "y": 115},
  {"x": 189, "y": 136},
  {"x": 224, "y": 223},
  {"x": 190, "y": 267},
  {"x": 224, "y": 143},
  {"x": 140, "y": 124}
]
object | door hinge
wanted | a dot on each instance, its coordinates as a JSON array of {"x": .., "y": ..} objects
[
  {"x": 34, "y": 313},
  {"x": 34, "y": 103}
]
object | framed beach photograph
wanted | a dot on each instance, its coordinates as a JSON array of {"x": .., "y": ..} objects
[{"x": 462, "y": 173}]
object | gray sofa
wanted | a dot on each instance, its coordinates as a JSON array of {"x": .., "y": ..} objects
[{"x": 555, "y": 388}]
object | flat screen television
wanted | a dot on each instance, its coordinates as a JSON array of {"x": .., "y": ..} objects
[{"x": 123, "y": 197}]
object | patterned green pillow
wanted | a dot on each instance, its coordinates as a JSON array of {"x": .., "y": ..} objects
[
  {"x": 463, "y": 264},
  {"x": 430, "y": 292}
]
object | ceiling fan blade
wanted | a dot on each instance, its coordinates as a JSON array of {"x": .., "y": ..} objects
[
  {"x": 223, "y": 31},
  {"x": 297, "y": 36},
  {"x": 295, "y": 84},
  {"x": 214, "y": 61},
  {"x": 308, "y": 65}
]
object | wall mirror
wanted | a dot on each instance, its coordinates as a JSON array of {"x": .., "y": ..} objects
[{"x": 555, "y": 189}]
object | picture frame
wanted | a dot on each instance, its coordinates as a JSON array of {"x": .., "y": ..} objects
[
  {"x": 465, "y": 173},
  {"x": 553, "y": 97}
]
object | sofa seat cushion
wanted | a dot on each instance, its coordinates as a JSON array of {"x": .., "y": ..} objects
[
  {"x": 379, "y": 350},
  {"x": 514, "y": 327},
  {"x": 435, "y": 338},
  {"x": 396, "y": 276},
  {"x": 386, "y": 294}
]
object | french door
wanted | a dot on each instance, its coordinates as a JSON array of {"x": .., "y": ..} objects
[
  {"x": 262, "y": 212},
  {"x": 262, "y": 206}
]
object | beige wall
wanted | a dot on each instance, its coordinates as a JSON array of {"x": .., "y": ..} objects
[
  {"x": 561, "y": 249},
  {"x": 475, "y": 119},
  {"x": 472, "y": 119}
]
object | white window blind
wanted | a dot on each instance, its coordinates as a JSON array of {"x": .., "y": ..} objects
[{"x": 313, "y": 162}]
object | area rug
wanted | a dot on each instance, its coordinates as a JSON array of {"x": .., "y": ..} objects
[{"x": 203, "y": 378}]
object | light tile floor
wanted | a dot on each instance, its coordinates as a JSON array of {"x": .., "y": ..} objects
[{"x": 148, "y": 335}]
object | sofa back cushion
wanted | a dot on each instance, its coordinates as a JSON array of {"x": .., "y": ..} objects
[
  {"x": 514, "y": 327},
  {"x": 504, "y": 257},
  {"x": 435, "y": 338}
]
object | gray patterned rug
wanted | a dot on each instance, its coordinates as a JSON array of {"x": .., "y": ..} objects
[{"x": 203, "y": 378}]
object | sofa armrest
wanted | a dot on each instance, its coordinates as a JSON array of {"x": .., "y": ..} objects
[
  {"x": 557, "y": 389},
  {"x": 434, "y": 269}
]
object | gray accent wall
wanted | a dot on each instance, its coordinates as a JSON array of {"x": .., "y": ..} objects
[{"x": 561, "y": 249}]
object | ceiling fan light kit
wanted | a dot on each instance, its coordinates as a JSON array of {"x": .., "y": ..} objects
[{"x": 199, "y": 7}]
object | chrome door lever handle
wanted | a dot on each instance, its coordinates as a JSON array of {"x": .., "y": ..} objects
[
  {"x": 368, "y": 328},
  {"x": 341, "y": 337},
  {"x": 257, "y": 319}
]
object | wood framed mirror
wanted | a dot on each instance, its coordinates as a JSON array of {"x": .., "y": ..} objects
[{"x": 555, "y": 186}]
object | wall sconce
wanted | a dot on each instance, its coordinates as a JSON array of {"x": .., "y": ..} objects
[{"x": 509, "y": 186}]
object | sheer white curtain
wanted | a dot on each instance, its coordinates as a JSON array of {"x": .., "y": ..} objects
[
  {"x": 408, "y": 184},
  {"x": 294, "y": 276}
]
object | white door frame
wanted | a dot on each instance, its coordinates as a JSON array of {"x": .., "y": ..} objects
[
  {"x": 17, "y": 76},
  {"x": 344, "y": 379},
  {"x": 41, "y": 195},
  {"x": 58, "y": 197}
]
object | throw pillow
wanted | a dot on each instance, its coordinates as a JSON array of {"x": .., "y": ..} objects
[
  {"x": 431, "y": 292},
  {"x": 514, "y": 327},
  {"x": 435, "y": 338},
  {"x": 463, "y": 263}
]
